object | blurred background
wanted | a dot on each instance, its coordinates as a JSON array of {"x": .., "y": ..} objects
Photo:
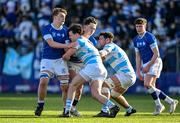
[{"x": 21, "y": 41}]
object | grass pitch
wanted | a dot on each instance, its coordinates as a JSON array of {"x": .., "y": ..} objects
[{"x": 19, "y": 108}]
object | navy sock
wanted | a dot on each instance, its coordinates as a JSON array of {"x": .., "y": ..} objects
[
  {"x": 41, "y": 104},
  {"x": 162, "y": 95},
  {"x": 154, "y": 95},
  {"x": 75, "y": 102}
]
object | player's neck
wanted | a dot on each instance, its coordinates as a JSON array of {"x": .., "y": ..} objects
[
  {"x": 86, "y": 35},
  {"x": 56, "y": 26},
  {"x": 142, "y": 34}
]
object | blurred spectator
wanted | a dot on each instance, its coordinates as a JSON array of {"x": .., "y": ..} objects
[{"x": 21, "y": 21}]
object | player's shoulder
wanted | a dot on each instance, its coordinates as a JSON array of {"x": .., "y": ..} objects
[
  {"x": 110, "y": 44},
  {"x": 149, "y": 35},
  {"x": 135, "y": 39},
  {"x": 81, "y": 40},
  {"x": 46, "y": 27},
  {"x": 65, "y": 27}
]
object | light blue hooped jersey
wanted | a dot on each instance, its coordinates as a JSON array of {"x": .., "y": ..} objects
[
  {"x": 117, "y": 59},
  {"x": 87, "y": 52}
]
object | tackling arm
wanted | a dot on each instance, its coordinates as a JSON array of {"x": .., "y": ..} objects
[
  {"x": 56, "y": 44},
  {"x": 103, "y": 53},
  {"x": 70, "y": 51}
]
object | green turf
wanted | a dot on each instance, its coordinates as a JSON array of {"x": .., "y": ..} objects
[{"x": 19, "y": 108}]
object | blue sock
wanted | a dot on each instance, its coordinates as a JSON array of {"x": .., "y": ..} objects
[
  {"x": 109, "y": 104},
  {"x": 153, "y": 93},
  {"x": 162, "y": 95},
  {"x": 105, "y": 108},
  {"x": 68, "y": 105},
  {"x": 41, "y": 104}
]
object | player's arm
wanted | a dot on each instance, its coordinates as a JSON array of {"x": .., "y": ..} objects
[
  {"x": 155, "y": 56},
  {"x": 106, "y": 50},
  {"x": 103, "y": 53},
  {"x": 70, "y": 51},
  {"x": 154, "y": 48},
  {"x": 54, "y": 44},
  {"x": 138, "y": 65},
  {"x": 47, "y": 36}
]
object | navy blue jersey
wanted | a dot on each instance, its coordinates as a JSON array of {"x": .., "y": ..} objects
[
  {"x": 144, "y": 46},
  {"x": 58, "y": 35}
]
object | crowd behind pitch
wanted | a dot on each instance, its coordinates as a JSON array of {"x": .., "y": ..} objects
[{"x": 20, "y": 22}]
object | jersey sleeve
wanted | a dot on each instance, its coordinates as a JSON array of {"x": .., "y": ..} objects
[
  {"x": 78, "y": 44},
  {"x": 135, "y": 46},
  {"x": 67, "y": 40},
  {"x": 108, "y": 48},
  {"x": 152, "y": 41},
  {"x": 46, "y": 33},
  {"x": 136, "y": 49}
]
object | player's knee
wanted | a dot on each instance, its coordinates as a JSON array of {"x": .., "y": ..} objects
[
  {"x": 64, "y": 80},
  {"x": 78, "y": 92},
  {"x": 109, "y": 83},
  {"x": 43, "y": 83},
  {"x": 44, "y": 79},
  {"x": 147, "y": 85},
  {"x": 115, "y": 94},
  {"x": 105, "y": 90},
  {"x": 45, "y": 75},
  {"x": 95, "y": 94},
  {"x": 64, "y": 88}
]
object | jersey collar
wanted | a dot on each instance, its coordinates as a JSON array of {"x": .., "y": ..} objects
[{"x": 56, "y": 28}]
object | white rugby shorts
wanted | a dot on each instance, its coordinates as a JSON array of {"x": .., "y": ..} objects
[
  {"x": 155, "y": 69},
  {"x": 95, "y": 71},
  {"x": 56, "y": 66}
]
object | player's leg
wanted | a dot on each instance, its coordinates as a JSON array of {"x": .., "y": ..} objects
[
  {"x": 148, "y": 83},
  {"x": 76, "y": 82},
  {"x": 45, "y": 75},
  {"x": 64, "y": 83},
  {"x": 96, "y": 86},
  {"x": 124, "y": 103},
  {"x": 73, "y": 69},
  {"x": 172, "y": 102},
  {"x": 97, "y": 75},
  {"x": 104, "y": 110},
  {"x": 106, "y": 92},
  {"x": 61, "y": 70},
  {"x": 74, "y": 110},
  {"x": 122, "y": 82},
  {"x": 42, "y": 91}
]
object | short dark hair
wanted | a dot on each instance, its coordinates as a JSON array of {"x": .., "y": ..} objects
[
  {"x": 56, "y": 11},
  {"x": 107, "y": 35},
  {"x": 89, "y": 20},
  {"x": 76, "y": 28},
  {"x": 140, "y": 21}
]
